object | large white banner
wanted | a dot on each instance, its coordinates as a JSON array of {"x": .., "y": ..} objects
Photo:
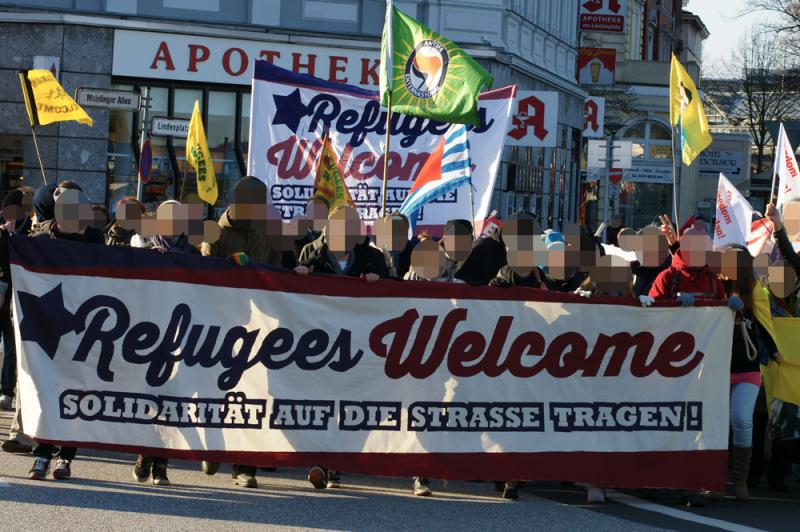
[
  {"x": 290, "y": 114},
  {"x": 194, "y": 357}
]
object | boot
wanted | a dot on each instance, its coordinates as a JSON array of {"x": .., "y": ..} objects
[{"x": 740, "y": 467}]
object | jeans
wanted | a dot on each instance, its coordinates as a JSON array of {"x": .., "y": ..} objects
[
  {"x": 743, "y": 402},
  {"x": 43, "y": 450},
  {"x": 8, "y": 377}
]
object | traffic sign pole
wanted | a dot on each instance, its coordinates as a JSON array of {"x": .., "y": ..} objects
[{"x": 143, "y": 139}]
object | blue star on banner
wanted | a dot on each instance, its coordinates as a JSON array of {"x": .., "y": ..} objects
[
  {"x": 44, "y": 319},
  {"x": 289, "y": 110}
]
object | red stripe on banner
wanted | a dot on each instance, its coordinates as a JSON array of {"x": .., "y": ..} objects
[
  {"x": 339, "y": 286},
  {"x": 693, "y": 470}
]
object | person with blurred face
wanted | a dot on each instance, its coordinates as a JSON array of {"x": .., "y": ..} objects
[
  {"x": 653, "y": 255},
  {"x": 689, "y": 277},
  {"x": 340, "y": 249},
  {"x": 391, "y": 237},
  {"x": 343, "y": 249},
  {"x": 243, "y": 226},
  {"x": 525, "y": 250},
  {"x": 127, "y": 222}
]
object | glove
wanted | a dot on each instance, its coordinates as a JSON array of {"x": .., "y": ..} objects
[
  {"x": 686, "y": 300},
  {"x": 646, "y": 301},
  {"x": 584, "y": 293},
  {"x": 735, "y": 303},
  {"x": 240, "y": 259}
]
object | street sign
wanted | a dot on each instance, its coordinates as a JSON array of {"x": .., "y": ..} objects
[
  {"x": 146, "y": 162},
  {"x": 615, "y": 175},
  {"x": 621, "y": 154},
  {"x": 110, "y": 99},
  {"x": 162, "y": 126}
]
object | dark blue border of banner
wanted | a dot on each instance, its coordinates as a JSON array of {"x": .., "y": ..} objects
[{"x": 266, "y": 71}]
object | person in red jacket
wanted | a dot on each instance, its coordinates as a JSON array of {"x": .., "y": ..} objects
[{"x": 689, "y": 278}]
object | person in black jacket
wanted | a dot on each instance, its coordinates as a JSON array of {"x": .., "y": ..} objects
[
  {"x": 525, "y": 249},
  {"x": 341, "y": 249},
  {"x": 73, "y": 215}
]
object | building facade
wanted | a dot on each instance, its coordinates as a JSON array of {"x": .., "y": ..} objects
[
  {"x": 176, "y": 52},
  {"x": 637, "y": 110}
]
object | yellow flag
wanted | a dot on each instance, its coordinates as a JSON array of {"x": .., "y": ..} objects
[
  {"x": 51, "y": 103},
  {"x": 200, "y": 158},
  {"x": 781, "y": 380},
  {"x": 686, "y": 109},
  {"x": 329, "y": 184}
]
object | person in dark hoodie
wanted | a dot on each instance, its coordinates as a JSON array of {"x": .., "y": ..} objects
[
  {"x": 62, "y": 203},
  {"x": 341, "y": 249},
  {"x": 486, "y": 257},
  {"x": 525, "y": 249},
  {"x": 78, "y": 228}
]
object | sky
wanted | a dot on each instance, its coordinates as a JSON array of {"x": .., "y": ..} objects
[{"x": 727, "y": 26}]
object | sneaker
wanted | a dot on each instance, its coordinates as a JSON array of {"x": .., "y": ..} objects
[
  {"x": 6, "y": 402},
  {"x": 246, "y": 480},
  {"x": 422, "y": 487},
  {"x": 62, "y": 470},
  {"x": 511, "y": 490},
  {"x": 210, "y": 468},
  {"x": 318, "y": 477},
  {"x": 160, "y": 475},
  {"x": 595, "y": 495},
  {"x": 39, "y": 469},
  {"x": 141, "y": 469},
  {"x": 17, "y": 447},
  {"x": 334, "y": 480}
]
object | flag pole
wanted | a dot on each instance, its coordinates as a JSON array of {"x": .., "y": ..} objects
[
  {"x": 775, "y": 164},
  {"x": 675, "y": 195},
  {"x": 472, "y": 205},
  {"x": 386, "y": 153},
  {"x": 38, "y": 154}
]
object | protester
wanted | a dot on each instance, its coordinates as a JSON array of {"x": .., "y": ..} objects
[
  {"x": 340, "y": 249},
  {"x": 391, "y": 237},
  {"x": 72, "y": 216},
  {"x": 739, "y": 279},
  {"x": 525, "y": 249},
  {"x": 129, "y": 212},
  {"x": 484, "y": 260},
  {"x": 689, "y": 277}
]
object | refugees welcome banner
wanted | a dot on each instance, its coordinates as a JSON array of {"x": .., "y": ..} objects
[
  {"x": 290, "y": 114},
  {"x": 193, "y": 357}
]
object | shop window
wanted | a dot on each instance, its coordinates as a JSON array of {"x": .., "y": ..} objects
[
  {"x": 123, "y": 148},
  {"x": 221, "y": 131}
]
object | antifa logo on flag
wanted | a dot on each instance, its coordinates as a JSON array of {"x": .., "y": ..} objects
[{"x": 426, "y": 69}]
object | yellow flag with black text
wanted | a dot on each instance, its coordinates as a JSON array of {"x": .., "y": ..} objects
[
  {"x": 329, "y": 184},
  {"x": 686, "y": 111},
  {"x": 200, "y": 158},
  {"x": 46, "y": 100}
]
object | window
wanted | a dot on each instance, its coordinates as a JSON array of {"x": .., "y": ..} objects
[
  {"x": 226, "y": 117},
  {"x": 651, "y": 140}
]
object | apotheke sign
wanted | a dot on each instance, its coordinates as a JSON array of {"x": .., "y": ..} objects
[{"x": 151, "y": 55}]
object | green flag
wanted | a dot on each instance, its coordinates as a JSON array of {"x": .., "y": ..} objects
[{"x": 428, "y": 75}]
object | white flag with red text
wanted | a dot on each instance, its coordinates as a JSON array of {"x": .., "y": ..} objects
[
  {"x": 734, "y": 216},
  {"x": 786, "y": 169}
]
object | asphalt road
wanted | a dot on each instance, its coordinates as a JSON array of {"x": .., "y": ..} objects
[{"x": 103, "y": 496}]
